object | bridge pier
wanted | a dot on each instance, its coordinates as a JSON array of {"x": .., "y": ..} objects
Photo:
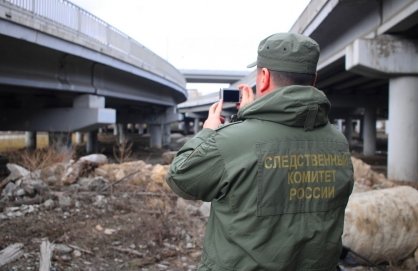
[
  {"x": 30, "y": 140},
  {"x": 121, "y": 132},
  {"x": 369, "y": 136},
  {"x": 92, "y": 145},
  {"x": 403, "y": 128},
  {"x": 395, "y": 58},
  {"x": 78, "y": 137},
  {"x": 196, "y": 125},
  {"x": 156, "y": 135},
  {"x": 348, "y": 129}
]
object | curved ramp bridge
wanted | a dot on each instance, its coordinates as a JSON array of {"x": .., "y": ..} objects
[{"x": 64, "y": 70}]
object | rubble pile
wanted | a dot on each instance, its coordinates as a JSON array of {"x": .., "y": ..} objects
[
  {"x": 97, "y": 216},
  {"x": 90, "y": 214}
]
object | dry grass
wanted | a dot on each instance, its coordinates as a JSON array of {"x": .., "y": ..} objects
[
  {"x": 122, "y": 152},
  {"x": 39, "y": 158}
]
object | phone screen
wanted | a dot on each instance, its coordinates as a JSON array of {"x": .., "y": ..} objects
[{"x": 229, "y": 95}]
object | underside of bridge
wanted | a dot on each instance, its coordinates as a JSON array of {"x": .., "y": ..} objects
[{"x": 368, "y": 69}]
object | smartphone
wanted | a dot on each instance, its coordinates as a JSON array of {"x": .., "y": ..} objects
[{"x": 229, "y": 95}]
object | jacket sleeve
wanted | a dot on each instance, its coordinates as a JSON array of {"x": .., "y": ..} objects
[{"x": 198, "y": 168}]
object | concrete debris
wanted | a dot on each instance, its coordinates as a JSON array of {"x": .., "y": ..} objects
[
  {"x": 382, "y": 225},
  {"x": 46, "y": 253},
  {"x": 205, "y": 209},
  {"x": 17, "y": 172},
  {"x": 52, "y": 175},
  {"x": 10, "y": 253},
  {"x": 97, "y": 159}
]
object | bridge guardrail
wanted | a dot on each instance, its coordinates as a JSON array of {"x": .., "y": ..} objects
[{"x": 70, "y": 15}]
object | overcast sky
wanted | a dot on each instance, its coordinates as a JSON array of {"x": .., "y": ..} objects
[{"x": 199, "y": 34}]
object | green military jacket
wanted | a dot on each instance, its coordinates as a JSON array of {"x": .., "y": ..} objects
[{"x": 278, "y": 179}]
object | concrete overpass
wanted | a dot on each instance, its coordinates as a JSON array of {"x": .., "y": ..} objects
[
  {"x": 213, "y": 76},
  {"x": 63, "y": 70},
  {"x": 369, "y": 70}
]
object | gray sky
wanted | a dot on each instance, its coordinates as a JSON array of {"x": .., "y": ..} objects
[{"x": 199, "y": 34}]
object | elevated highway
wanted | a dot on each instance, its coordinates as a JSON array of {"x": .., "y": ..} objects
[
  {"x": 63, "y": 70},
  {"x": 369, "y": 70}
]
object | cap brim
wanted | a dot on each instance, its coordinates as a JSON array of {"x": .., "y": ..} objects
[{"x": 252, "y": 64}]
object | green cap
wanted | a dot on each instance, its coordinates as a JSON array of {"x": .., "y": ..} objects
[{"x": 288, "y": 52}]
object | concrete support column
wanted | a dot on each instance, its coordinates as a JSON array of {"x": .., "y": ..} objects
[
  {"x": 59, "y": 139},
  {"x": 349, "y": 129},
  {"x": 361, "y": 133},
  {"x": 340, "y": 125},
  {"x": 186, "y": 126},
  {"x": 403, "y": 129},
  {"x": 156, "y": 135},
  {"x": 30, "y": 138},
  {"x": 121, "y": 132},
  {"x": 369, "y": 141},
  {"x": 196, "y": 126},
  {"x": 92, "y": 145},
  {"x": 141, "y": 129},
  {"x": 78, "y": 138},
  {"x": 166, "y": 140}
]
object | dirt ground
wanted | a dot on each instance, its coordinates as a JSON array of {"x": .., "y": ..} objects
[
  {"x": 123, "y": 233},
  {"x": 124, "y": 227}
]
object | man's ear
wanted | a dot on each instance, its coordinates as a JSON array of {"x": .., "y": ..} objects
[{"x": 264, "y": 81}]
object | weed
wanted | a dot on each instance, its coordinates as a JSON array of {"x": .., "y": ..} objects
[
  {"x": 122, "y": 152},
  {"x": 39, "y": 158}
]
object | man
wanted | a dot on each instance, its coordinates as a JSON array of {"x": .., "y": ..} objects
[{"x": 279, "y": 178}]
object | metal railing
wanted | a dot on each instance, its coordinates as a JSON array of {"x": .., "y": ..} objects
[{"x": 71, "y": 16}]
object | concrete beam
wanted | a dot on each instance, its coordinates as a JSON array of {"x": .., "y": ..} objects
[
  {"x": 382, "y": 56},
  {"x": 57, "y": 119}
]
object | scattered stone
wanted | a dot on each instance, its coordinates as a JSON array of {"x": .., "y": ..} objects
[
  {"x": 34, "y": 187},
  {"x": 109, "y": 231},
  {"x": 83, "y": 167},
  {"x": 19, "y": 192},
  {"x": 62, "y": 249},
  {"x": 66, "y": 258},
  {"x": 49, "y": 204},
  {"x": 16, "y": 172},
  {"x": 12, "y": 212},
  {"x": 98, "y": 159},
  {"x": 8, "y": 191},
  {"x": 53, "y": 174},
  {"x": 162, "y": 266},
  {"x": 205, "y": 209},
  {"x": 100, "y": 201},
  {"x": 76, "y": 253},
  {"x": 97, "y": 184},
  {"x": 64, "y": 201}
]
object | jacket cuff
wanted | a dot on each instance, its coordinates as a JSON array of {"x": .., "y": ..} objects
[{"x": 178, "y": 190}]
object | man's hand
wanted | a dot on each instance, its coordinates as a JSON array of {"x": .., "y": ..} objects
[
  {"x": 214, "y": 116},
  {"x": 247, "y": 95}
]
